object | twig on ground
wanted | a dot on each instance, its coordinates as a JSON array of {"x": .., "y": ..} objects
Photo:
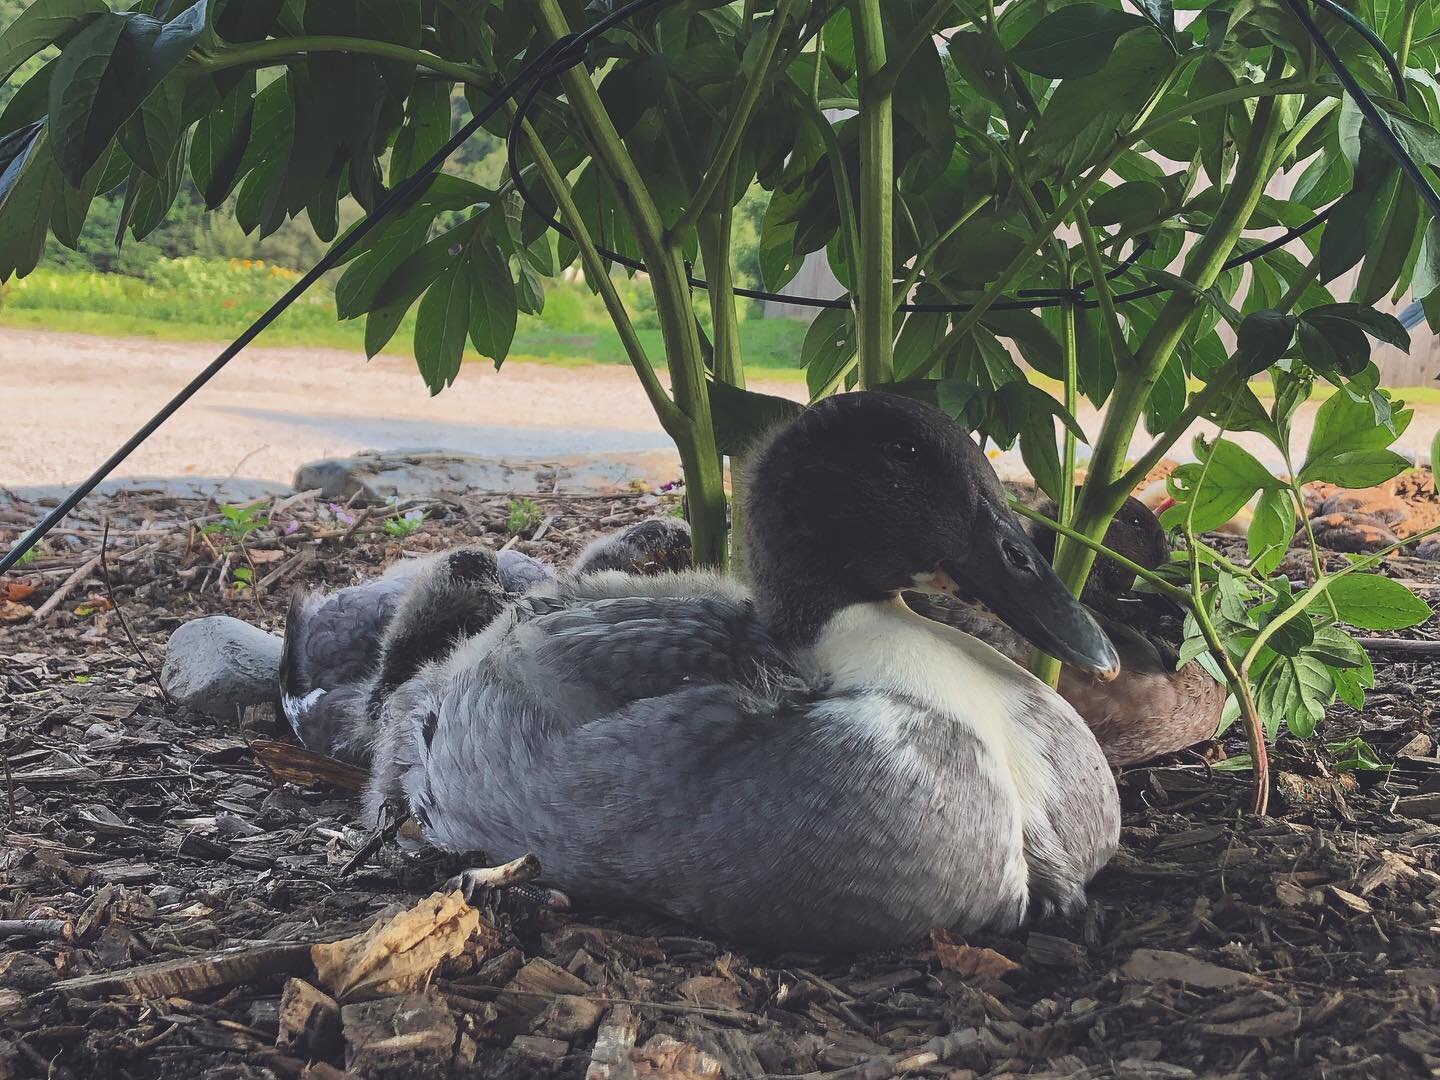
[
  {"x": 120, "y": 614},
  {"x": 56, "y": 598}
]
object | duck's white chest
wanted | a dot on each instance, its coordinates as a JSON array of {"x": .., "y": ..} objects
[{"x": 1019, "y": 722}]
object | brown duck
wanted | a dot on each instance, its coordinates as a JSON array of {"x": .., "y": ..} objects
[{"x": 1150, "y": 708}]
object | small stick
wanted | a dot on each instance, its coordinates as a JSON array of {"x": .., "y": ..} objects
[
  {"x": 68, "y": 586},
  {"x": 120, "y": 614},
  {"x": 544, "y": 527},
  {"x": 360, "y": 519},
  {"x": 515, "y": 872},
  {"x": 395, "y": 816},
  {"x": 33, "y": 928},
  {"x": 1401, "y": 645}
]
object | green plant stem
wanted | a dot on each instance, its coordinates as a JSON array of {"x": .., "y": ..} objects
[
  {"x": 1239, "y": 685},
  {"x": 925, "y": 254},
  {"x": 1104, "y": 295},
  {"x": 1213, "y": 392},
  {"x": 671, "y": 419},
  {"x": 1407, "y": 33},
  {"x": 664, "y": 261},
  {"x": 1179, "y": 595},
  {"x": 1101, "y": 495},
  {"x": 1309, "y": 596},
  {"x": 1238, "y": 680},
  {"x": 279, "y": 50},
  {"x": 754, "y": 86},
  {"x": 1077, "y": 194},
  {"x": 925, "y": 28},
  {"x": 875, "y": 274},
  {"x": 1042, "y": 665}
]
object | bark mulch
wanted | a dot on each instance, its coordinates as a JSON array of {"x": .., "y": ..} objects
[{"x": 163, "y": 893}]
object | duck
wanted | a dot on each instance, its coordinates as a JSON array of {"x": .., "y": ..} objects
[
  {"x": 1150, "y": 709},
  {"x": 331, "y": 670},
  {"x": 801, "y": 762}
]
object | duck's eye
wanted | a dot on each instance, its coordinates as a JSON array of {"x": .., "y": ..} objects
[
  {"x": 1016, "y": 556},
  {"x": 901, "y": 450}
]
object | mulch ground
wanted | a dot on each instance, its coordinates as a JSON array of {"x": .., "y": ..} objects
[{"x": 161, "y": 890}]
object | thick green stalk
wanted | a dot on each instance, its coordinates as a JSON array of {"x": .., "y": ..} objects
[
  {"x": 1043, "y": 666},
  {"x": 1101, "y": 495},
  {"x": 758, "y": 82},
  {"x": 664, "y": 261},
  {"x": 276, "y": 50},
  {"x": 1407, "y": 33},
  {"x": 875, "y": 276}
]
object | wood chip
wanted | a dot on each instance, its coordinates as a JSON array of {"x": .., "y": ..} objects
[
  {"x": 405, "y": 1031},
  {"x": 309, "y": 1020},
  {"x": 1274, "y": 1025},
  {"x": 401, "y": 953},
  {"x": 666, "y": 1056},
  {"x": 1159, "y": 965},
  {"x": 969, "y": 961},
  {"x": 193, "y": 974},
  {"x": 296, "y": 765},
  {"x": 533, "y": 987},
  {"x": 610, "y": 1059}
]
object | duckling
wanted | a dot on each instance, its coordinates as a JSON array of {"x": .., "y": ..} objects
[
  {"x": 332, "y": 677},
  {"x": 1150, "y": 709},
  {"x": 807, "y": 764}
]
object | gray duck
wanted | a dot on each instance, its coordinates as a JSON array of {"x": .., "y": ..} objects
[{"x": 807, "y": 763}]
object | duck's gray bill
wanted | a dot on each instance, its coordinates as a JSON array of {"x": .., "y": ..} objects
[{"x": 1005, "y": 572}]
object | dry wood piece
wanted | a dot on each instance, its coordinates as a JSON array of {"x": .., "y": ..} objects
[
  {"x": 1419, "y": 806},
  {"x": 400, "y": 953},
  {"x": 539, "y": 1050},
  {"x": 568, "y": 1016},
  {"x": 193, "y": 974},
  {"x": 610, "y": 1060},
  {"x": 296, "y": 765},
  {"x": 1159, "y": 965},
  {"x": 309, "y": 1020},
  {"x": 666, "y": 1056},
  {"x": 406, "y": 1030},
  {"x": 883, "y": 1068},
  {"x": 533, "y": 987}
]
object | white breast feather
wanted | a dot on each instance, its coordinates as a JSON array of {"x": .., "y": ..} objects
[{"x": 887, "y": 647}]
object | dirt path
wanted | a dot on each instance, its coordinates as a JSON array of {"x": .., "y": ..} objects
[{"x": 72, "y": 398}]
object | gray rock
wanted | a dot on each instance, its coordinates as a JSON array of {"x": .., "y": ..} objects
[
  {"x": 219, "y": 665},
  {"x": 379, "y": 477}
]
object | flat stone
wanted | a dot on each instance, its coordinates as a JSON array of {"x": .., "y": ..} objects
[
  {"x": 380, "y": 477},
  {"x": 218, "y": 666}
]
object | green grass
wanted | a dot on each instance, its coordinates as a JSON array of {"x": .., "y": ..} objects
[{"x": 211, "y": 300}]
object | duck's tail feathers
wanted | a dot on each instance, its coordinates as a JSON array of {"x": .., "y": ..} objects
[
  {"x": 297, "y": 690},
  {"x": 328, "y": 721}
]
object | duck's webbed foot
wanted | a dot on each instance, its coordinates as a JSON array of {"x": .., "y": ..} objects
[
  {"x": 517, "y": 875},
  {"x": 655, "y": 546},
  {"x": 458, "y": 594}
]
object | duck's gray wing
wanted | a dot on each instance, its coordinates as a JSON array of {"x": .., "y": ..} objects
[
  {"x": 595, "y": 656},
  {"x": 797, "y": 826}
]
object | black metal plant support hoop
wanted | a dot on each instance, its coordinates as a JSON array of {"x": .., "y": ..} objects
[{"x": 570, "y": 50}]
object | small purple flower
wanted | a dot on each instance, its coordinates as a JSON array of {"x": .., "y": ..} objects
[
  {"x": 292, "y": 528},
  {"x": 340, "y": 515}
]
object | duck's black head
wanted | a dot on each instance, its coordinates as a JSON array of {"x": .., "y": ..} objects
[{"x": 867, "y": 494}]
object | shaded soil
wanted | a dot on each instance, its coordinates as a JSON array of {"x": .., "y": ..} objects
[{"x": 1306, "y": 944}]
